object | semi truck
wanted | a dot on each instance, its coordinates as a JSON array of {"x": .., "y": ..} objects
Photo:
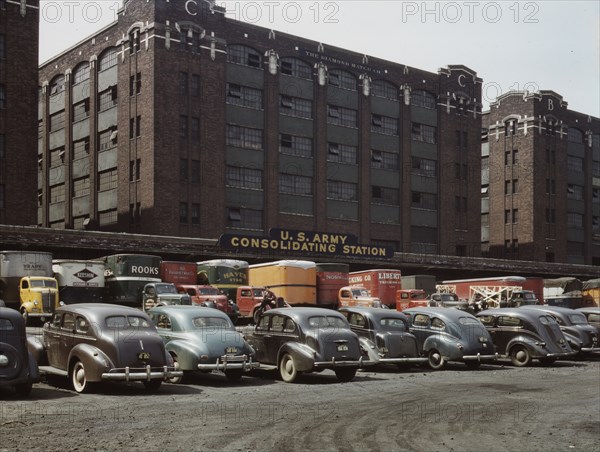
[
  {"x": 426, "y": 283},
  {"x": 79, "y": 281},
  {"x": 504, "y": 291},
  {"x": 27, "y": 284},
  {"x": 225, "y": 274},
  {"x": 294, "y": 281},
  {"x": 125, "y": 276},
  {"x": 330, "y": 279},
  {"x": 381, "y": 283},
  {"x": 565, "y": 292}
]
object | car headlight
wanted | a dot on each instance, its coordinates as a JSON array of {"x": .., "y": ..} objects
[
  {"x": 35, "y": 303},
  {"x": 482, "y": 339},
  {"x": 459, "y": 345}
]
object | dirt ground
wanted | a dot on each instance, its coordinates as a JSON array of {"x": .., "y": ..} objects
[{"x": 498, "y": 408}]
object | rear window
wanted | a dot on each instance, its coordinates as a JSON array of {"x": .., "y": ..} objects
[
  {"x": 509, "y": 321},
  {"x": 594, "y": 317},
  {"x": 390, "y": 324},
  {"x": 211, "y": 322},
  {"x": 322, "y": 321},
  {"x": 487, "y": 320},
  {"x": 6, "y": 325},
  {"x": 578, "y": 319},
  {"x": 130, "y": 321}
]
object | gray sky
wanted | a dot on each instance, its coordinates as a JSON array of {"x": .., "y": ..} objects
[{"x": 533, "y": 45}]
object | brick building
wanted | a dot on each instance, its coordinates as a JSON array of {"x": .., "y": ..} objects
[
  {"x": 19, "y": 24},
  {"x": 541, "y": 180},
  {"x": 176, "y": 120}
]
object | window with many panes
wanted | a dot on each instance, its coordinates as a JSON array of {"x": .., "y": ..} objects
[
  {"x": 107, "y": 98},
  {"x": 81, "y": 73},
  {"x": 574, "y": 164},
  {"x": 81, "y": 186},
  {"x": 425, "y": 99},
  {"x": 384, "y": 124},
  {"x": 57, "y": 193},
  {"x": 57, "y": 157},
  {"x": 574, "y": 191},
  {"x": 342, "y": 153},
  {"x": 385, "y": 160},
  {"x": 574, "y": 220},
  {"x": 423, "y": 132},
  {"x": 423, "y": 167},
  {"x": 81, "y": 148},
  {"x": 244, "y": 96},
  {"x": 107, "y": 139},
  {"x": 296, "y": 68},
  {"x": 107, "y": 180},
  {"x": 343, "y": 191},
  {"x": 244, "y": 137},
  {"x": 427, "y": 201},
  {"x": 243, "y": 177},
  {"x": 341, "y": 116},
  {"x": 385, "y": 195},
  {"x": 57, "y": 85},
  {"x": 244, "y": 218},
  {"x": 295, "y": 106},
  {"x": 81, "y": 110},
  {"x": 294, "y": 184},
  {"x": 107, "y": 217},
  {"x": 574, "y": 135},
  {"x": 381, "y": 88},
  {"x": 108, "y": 59},
  {"x": 244, "y": 55},
  {"x": 295, "y": 145},
  {"x": 342, "y": 79},
  {"x": 57, "y": 121}
]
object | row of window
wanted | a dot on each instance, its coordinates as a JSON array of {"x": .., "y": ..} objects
[{"x": 107, "y": 180}]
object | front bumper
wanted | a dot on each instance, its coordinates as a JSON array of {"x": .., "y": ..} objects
[
  {"x": 225, "y": 363},
  {"x": 559, "y": 355},
  {"x": 333, "y": 363},
  {"x": 591, "y": 349},
  {"x": 141, "y": 374},
  {"x": 479, "y": 357}
]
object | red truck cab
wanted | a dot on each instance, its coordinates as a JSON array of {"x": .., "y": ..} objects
[
  {"x": 209, "y": 296},
  {"x": 411, "y": 298}
]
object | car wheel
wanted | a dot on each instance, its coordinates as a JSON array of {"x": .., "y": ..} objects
[
  {"x": 520, "y": 356},
  {"x": 436, "y": 360},
  {"x": 345, "y": 374},
  {"x": 287, "y": 368},
  {"x": 152, "y": 385},
  {"x": 473, "y": 365},
  {"x": 548, "y": 360},
  {"x": 175, "y": 380},
  {"x": 78, "y": 378},
  {"x": 234, "y": 374},
  {"x": 256, "y": 315},
  {"x": 23, "y": 389}
]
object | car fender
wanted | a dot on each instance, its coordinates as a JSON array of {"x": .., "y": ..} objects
[
  {"x": 188, "y": 354},
  {"x": 34, "y": 371},
  {"x": 574, "y": 341},
  {"x": 36, "y": 349},
  {"x": 530, "y": 343},
  {"x": 95, "y": 361},
  {"x": 304, "y": 356},
  {"x": 368, "y": 346},
  {"x": 446, "y": 345}
]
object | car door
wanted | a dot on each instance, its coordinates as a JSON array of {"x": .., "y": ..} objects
[
  {"x": 66, "y": 340},
  {"x": 258, "y": 339},
  {"x": 276, "y": 337},
  {"x": 358, "y": 324},
  {"x": 421, "y": 328},
  {"x": 507, "y": 328}
]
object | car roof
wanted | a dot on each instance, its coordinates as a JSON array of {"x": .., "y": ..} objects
[
  {"x": 375, "y": 313},
  {"x": 9, "y": 313},
  {"x": 100, "y": 310},
  {"x": 553, "y": 309},
  {"x": 589, "y": 309},
  {"x": 299, "y": 314},
  {"x": 523, "y": 313},
  {"x": 184, "y": 312},
  {"x": 448, "y": 313}
]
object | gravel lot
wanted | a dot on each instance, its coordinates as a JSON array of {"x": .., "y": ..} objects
[{"x": 496, "y": 408}]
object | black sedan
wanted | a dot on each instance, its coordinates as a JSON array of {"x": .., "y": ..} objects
[
  {"x": 388, "y": 332},
  {"x": 582, "y": 336},
  {"x": 297, "y": 340},
  {"x": 523, "y": 334}
]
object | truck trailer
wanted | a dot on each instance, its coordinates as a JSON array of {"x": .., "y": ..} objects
[
  {"x": 381, "y": 283},
  {"x": 295, "y": 281},
  {"x": 79, "y": 281}
]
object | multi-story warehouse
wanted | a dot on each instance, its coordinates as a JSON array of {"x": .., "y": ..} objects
[
  {"x": 541, "y": 180},
  {"x": 176, "y": 120},
  {"x": 19, "y": 24}
]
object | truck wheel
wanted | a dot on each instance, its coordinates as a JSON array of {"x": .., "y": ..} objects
[
  {"x": 256, "y": 315},
  {"x": 78, "y": 379}
]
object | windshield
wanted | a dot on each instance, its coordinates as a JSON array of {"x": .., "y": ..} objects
[
  {"x": 258, "y": 293},
  {"x": 211, "y": 322},
  {"x": 392, "y": 324},
  {"x": 165, "y": 288},
  {"x": 360, "y": 293},
  {"x": 209, "y": 291},
  {"x": 578, "y": 319},
  {"x": 43, "y": 283},
  {"x": 125, "y": 322},
  {"x": 326, "y": 322},
  {"x": 417, "y": 295}
]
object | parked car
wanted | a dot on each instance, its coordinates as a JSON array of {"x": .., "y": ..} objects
[
  {"x": 388, "y": 331},
  {"x": 592, "y": 313},
  {"x": 297, "y": 340},
  {"x": 581, "y": 336},
  {"x": 523, "y": 334},
  {"x": 447, "y": 300},
  {"x": 18, "y": 368},
  {"x": 199, "y": 338},
  {"x": 447, "y": 335},
  {"x": 93, "y": 342}
]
